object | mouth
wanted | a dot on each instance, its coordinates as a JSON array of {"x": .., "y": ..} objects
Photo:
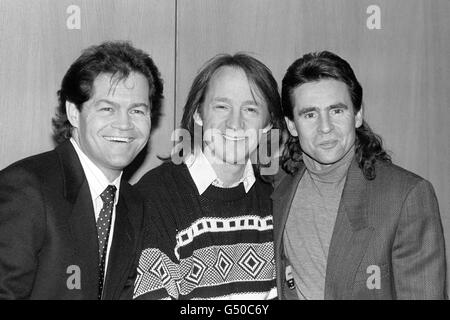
[
  {"x": 230, "y": 138},
  {"x": 118, "y": 139},
  {"x": 330, "y": 144}
]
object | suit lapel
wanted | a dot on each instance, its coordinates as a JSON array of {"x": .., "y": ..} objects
[
  {"x": 282, "y": 199},
  {"x": 84, "y": 232},
  {"x": 351, "y": 236},
  {"x": 81, "y": 219},
  {"x": 122, "y": 248}
]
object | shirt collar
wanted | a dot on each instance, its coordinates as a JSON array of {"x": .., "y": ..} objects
[
  {"x": 96, "y": 179},
  {"x": 204, "y": 175}
]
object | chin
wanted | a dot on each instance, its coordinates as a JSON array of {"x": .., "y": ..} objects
[
  {"x": 328, "y": 160},
  {"x": 120, "y": 164},
  {"x": 232, "y": 159}
]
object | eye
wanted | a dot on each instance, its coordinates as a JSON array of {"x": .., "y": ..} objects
[
  {"x": 309, "y": 115},
  {"x": 251, "y": 110},
  {"x": 140, "y": 111},
  {"x": 220, "y": 107},
  {"x": 106, "y": 109},
  {"x": 337, "y": 111}
]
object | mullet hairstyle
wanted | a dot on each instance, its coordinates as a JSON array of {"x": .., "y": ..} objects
[{"x": 318, "y": 66}]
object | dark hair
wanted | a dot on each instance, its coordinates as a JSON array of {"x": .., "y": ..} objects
[
  {"x": 326, "y": 65},
  {"x": 258, "y": 75},
  {"x": 117, "y": 58}
]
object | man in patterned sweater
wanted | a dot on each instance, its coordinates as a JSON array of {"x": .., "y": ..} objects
[{"x": 208, "y": 222}]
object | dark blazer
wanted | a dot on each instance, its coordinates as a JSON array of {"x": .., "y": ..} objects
[
  {"x": 391, "y": 222},
  {"x": 47, "y": 224}
]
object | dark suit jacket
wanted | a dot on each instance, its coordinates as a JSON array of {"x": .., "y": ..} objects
[
  {"x": 391, "y": 222},
  {"x": 47, "y": 224}
]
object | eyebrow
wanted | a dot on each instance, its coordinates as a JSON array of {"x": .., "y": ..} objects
[
  {"x": 115, "y": 104},
  {"x": 226, "y": 100},
  {"x": 339, "y": 105},
  {"x": 330, "y": 107}
]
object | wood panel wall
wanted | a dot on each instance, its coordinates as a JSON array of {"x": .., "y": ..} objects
[
  {"x": 37, "y": 48},
  {"x": 404, "y": 66}
]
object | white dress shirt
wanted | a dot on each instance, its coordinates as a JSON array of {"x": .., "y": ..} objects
[
  {"x": 204, "y": 175},
  {"x": 98, "y": 182}
]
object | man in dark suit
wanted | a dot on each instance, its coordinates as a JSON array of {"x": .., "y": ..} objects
[
  {"x": 69, "y": 223},
  {"x": 348, "y": 223}
]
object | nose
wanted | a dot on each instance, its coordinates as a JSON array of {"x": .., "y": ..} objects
[
  {"x": 234, "y": 120},
  {"x": 325, "y": 125},
  {"x": 123, "y": 121}
]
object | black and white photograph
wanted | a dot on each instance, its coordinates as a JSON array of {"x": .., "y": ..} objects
[{"x": 224, "y": 150}]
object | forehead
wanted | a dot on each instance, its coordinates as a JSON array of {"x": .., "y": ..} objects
[
  {"x": 321, "y": 94},
  {"x": 232, "y": 82},
  {"x": 106, "y": 84}
]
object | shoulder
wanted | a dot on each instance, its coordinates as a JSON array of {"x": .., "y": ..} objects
[
  {"x": 163, "y": 179},
  {"x": 394, "y": 177},
  {"x": 276, "y": 179},
  {"x": 38, "y": 167},
  {"x": 127, "y": 191},
  {"x": 154, "y": 177},
  {"x": 26, "y": 187},
  {"x": 395, "y": 189},
  {"x": 264, "y": 184}
]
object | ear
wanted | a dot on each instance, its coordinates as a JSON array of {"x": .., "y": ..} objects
[
  {"x": 198, "y": 120},
  {"x": 73, "y": 114},
  {"x": 291, "y": 127},
  {"x": 359, "y": 118}
]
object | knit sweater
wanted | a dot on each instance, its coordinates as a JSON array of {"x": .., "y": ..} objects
[{"x": 217, "y": 245}]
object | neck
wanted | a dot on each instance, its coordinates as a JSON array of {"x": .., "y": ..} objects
[
  {"x": 110, "y": 174},
  {"x": 329, "y": 172}
]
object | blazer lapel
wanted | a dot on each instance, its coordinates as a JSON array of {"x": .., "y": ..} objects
[
  {"x": 84, "y": 232},
  {"x": 81, "y": 219},
  {"x": 351, "y": 236},
  {"x": 282, "y": 198},
  {"x": 121, "y": 256}
]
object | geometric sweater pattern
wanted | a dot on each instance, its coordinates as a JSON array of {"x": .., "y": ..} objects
[{"x": 218, "y": 245}]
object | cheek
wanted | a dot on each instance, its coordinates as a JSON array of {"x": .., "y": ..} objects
[
  {"x": 213, "y": 122},
  {"x": 93, "y": 124},
  {"x": 307, "y": 133},
  {"x": 347, "y": 130},
  {"x": 255, "y": 124},
  {"x": 143, "y": 126},
  {"x": 306, "y": 143}
]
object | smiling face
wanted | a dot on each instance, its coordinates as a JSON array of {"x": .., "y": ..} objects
[
  {"x": 232, "y": 116},
  {"x": 324, "y": 120},
  {"x": 114, "y": 124}
]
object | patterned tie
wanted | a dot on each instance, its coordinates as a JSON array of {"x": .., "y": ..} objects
[{"x": 103, "y": 226}]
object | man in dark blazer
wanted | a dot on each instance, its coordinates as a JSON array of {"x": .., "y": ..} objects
[
  {"x": 70, "y": 226},
  {"x": 348, "y": 223}
]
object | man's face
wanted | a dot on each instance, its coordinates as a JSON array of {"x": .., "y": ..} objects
[
  {"x": 324, "y": 120},
  {"x": 114, "y": 124},
  {"x": 232, "y": 117}
]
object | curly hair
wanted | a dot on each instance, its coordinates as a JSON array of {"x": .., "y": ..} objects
[
  {"x": 326, "y": 65},
  {"x": 118, "y": 58}
]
